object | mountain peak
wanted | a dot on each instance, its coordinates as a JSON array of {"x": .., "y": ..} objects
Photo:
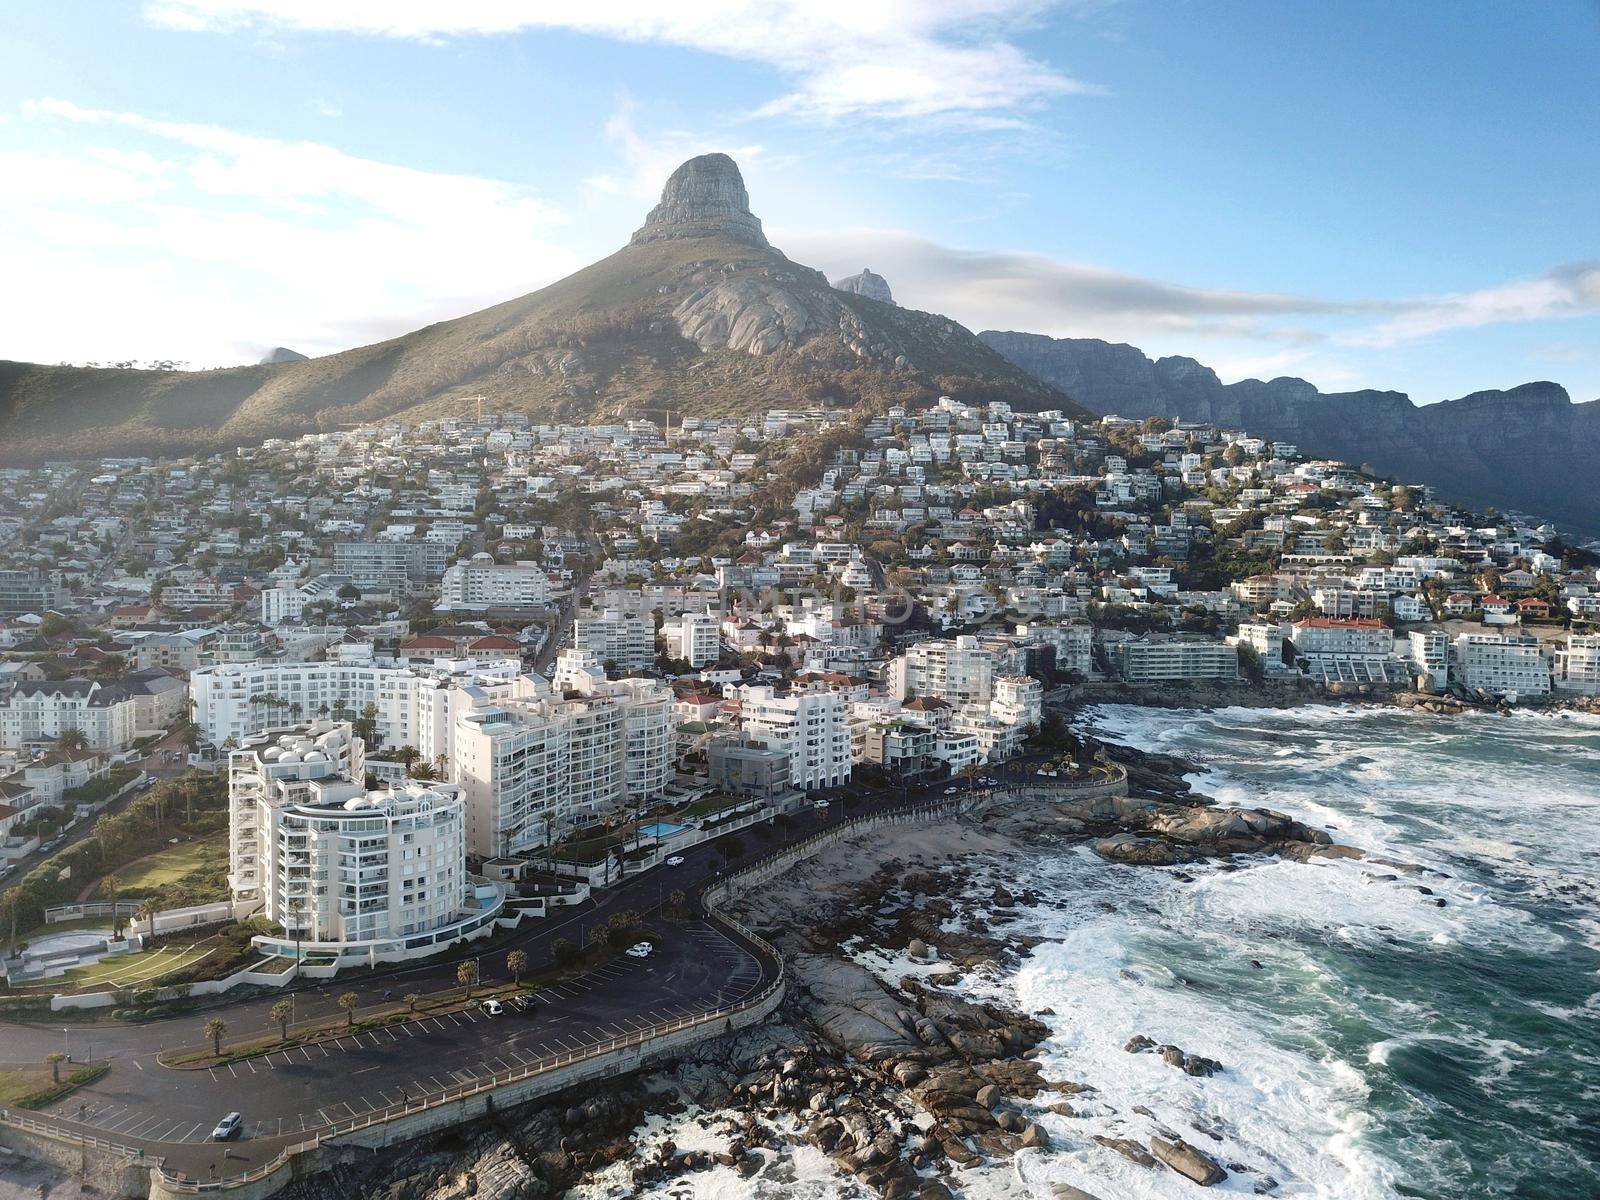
[
  {"x": 705, "y": 197},
  {"x": 873, "y": 286},
  {"x": 281, "y": 354}
]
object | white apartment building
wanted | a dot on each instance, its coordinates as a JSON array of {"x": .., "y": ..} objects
[
  {"x": 1501, "y": 666},
  {"x": 959, "y": 672},
  {"x": 39, "y": 711},
  {"x": 1430, "y": 652},
  {"x": 334, "y": 863},
  {"x": 281, "y": 605},
  {"x": 1157, "y": 660},
  {"x": 694, "y": 637},
  {"x": 480, "y": 583},
  {"x": 1334, "y": 635},
  {"x": 615, "y": 636},
  {"x": 1577, "y": 664},
  {"x": 811, "y": 723},
  {"x": 1264, "y": 637},
  {"x": 1074, "y": 644},
  {"x": 536, "y": 761},
  {"x": 412, "y": 703},
  {"x": 1018, "y": 701}
]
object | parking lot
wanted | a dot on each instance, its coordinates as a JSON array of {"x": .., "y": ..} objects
[{"x": 302, "y": 1088}]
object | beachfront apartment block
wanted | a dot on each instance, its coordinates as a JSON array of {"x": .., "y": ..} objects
[
  {"x": 1430, "y": 654},
  {"x": 313, "y": 850},
  {"x": 959, "y": 672},
  {"x": 1577, "y": 664},
  {"x": 812, "y": 723},
  {"x": 535, "y": 761},
  {"x": 480, "y": 583},
  {"x": 1163, "y": 660},
  {"x": 1501, "y": 665}
]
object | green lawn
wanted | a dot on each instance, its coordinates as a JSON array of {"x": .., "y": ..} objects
[
  {"x": 173, "y": 864},
  {"x": 125, "y": 970}
]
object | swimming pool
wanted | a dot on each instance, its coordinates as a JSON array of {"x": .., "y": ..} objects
[{"x": 662, "y": 829}]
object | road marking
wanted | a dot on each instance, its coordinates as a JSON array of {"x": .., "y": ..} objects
[
  {"x": 138, "y": 1064},
  {"x": 305, "y": 1052},
  {"x": 191, "y": 1131},
  {"x": 250, "y": 1062},
  {"x": 212, "y": 1071},
  {"x": 364, "y": 1070},
  {"x": 393, "y": 1036},
  {"x": 232, "y": 1072},
  {"x": 323, "y": 1048}
]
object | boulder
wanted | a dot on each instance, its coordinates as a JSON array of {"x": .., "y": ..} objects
[
  {"x": 1128, "y": 1148},
  {"x": 1034, "y": 1137},
  {"x": 1065, "y": 1191},
  {"x": 1194, "y": 1165}
]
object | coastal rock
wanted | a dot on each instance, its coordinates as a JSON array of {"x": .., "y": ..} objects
[
  {"x": 1192, "y": 1164},
  {"x": 1128, "y": 1148},
  {"x": 1065, "y": 1191},
  {"x": 1138, "y": 851}
]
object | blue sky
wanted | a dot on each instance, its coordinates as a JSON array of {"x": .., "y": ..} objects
[{"x": 1363, "y": 194}]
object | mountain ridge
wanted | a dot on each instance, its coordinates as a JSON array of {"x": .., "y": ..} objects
[
  {"x": 697, "y": 313},
  {"x": 1528, "y": 447}
]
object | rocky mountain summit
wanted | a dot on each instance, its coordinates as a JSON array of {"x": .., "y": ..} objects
[
  {"x": 698, "y": 313},
  {"x": 705, "y": 197},
  {"x": 280, "y": 354},
  {"x": 868, "y": 284},
  {"x": 1527, "y": 448}
]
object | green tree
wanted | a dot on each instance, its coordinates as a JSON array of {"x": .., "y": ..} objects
[
  {"x": 467, "y": 975},
  {"x": 281, "y": 1012},
  {"x": 214, "y": 1030},
  {"x": 55, "y": 1058},
  {"x": 349, "y": 1001},
  {"x": 517, "y": 963}
]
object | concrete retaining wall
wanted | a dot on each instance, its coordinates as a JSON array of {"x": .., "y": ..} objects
[{"x": 110, "y": 1172}]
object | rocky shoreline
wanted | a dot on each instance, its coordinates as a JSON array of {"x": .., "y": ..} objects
[
  {"x": 897, "y": 1076},
  {"x": 1287, "y": 694}
]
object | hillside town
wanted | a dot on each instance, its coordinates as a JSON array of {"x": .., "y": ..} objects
[{"x": 757, "y": 605}]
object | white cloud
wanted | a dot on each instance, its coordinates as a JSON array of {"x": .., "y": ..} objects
[
  {"x": 1572, "y": 290},
  {"x": 914, "y": 59},
  {"x": 144, "y": 238},
  {"x": 1011, "y": 290},
  {"x": 645, "y": 161}
]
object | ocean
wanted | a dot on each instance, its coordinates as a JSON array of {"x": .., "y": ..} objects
[{"x": 1425, "y": 1029}]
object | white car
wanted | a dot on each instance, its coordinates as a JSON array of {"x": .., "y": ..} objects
[
  {"x": 822, "y": 804},
  {"x": 675, "y": 861},
  {"x": 492, "y": 1008},
  {"x": 228, "y": 1127},
  {"x": 639, "y": 950}
]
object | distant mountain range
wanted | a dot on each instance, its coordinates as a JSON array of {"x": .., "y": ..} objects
[
  {"x": 1529, "y": 448},
  {"x": 697, "y": 314}
]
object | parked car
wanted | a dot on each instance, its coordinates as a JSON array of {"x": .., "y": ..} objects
[
  {"x": 230, "y": 1126},
  {"x": 675, "y": 861},
  {"x": 822, "y": 804},
  {"x": 639, "y": 950},
  {"x": 492, "y": 1008}
]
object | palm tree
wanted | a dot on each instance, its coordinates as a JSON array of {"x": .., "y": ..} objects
[
  {"x": 467, "y": 975},
  {"x": 349, "y": 1001},
  {"x": 597, "y": 938},
  {"x": 517, "y": 963},
  {"x": 297, "y": 907},
  {"x": 72, "y": 739},
  {"x": 214, "y": 1030},
  {"x": 676, "y": 900},
  {"x": 55, "y": 1058},
  {"x": 411, "y": 999},
  {"x": 281, "y": 1012},
  {"x": 147, "y": 912}
]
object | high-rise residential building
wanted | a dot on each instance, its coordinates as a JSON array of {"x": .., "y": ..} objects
[
  {"x": 1154, "y": 660},
  {"x": 1501, "y": 665},
  {"x": 1430, "y": 653},
  {"x": 1577, "y": 664},
  {"x": 337, "y": 865},
  {"x": 694, "y": 637},
  {"x": 411, "y": 705},
  {"x": 537, "y": 761},
  {"x": 480, "y": 583},
  {"x": 616, "y": 637},
  {"x": 1018, "y": 700},
  {"x": 396, "y": 565},
  {"x": 29, "y": 591},
  {"x": 959, "y": 672},
  {"x": 811, "y": 723}
]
